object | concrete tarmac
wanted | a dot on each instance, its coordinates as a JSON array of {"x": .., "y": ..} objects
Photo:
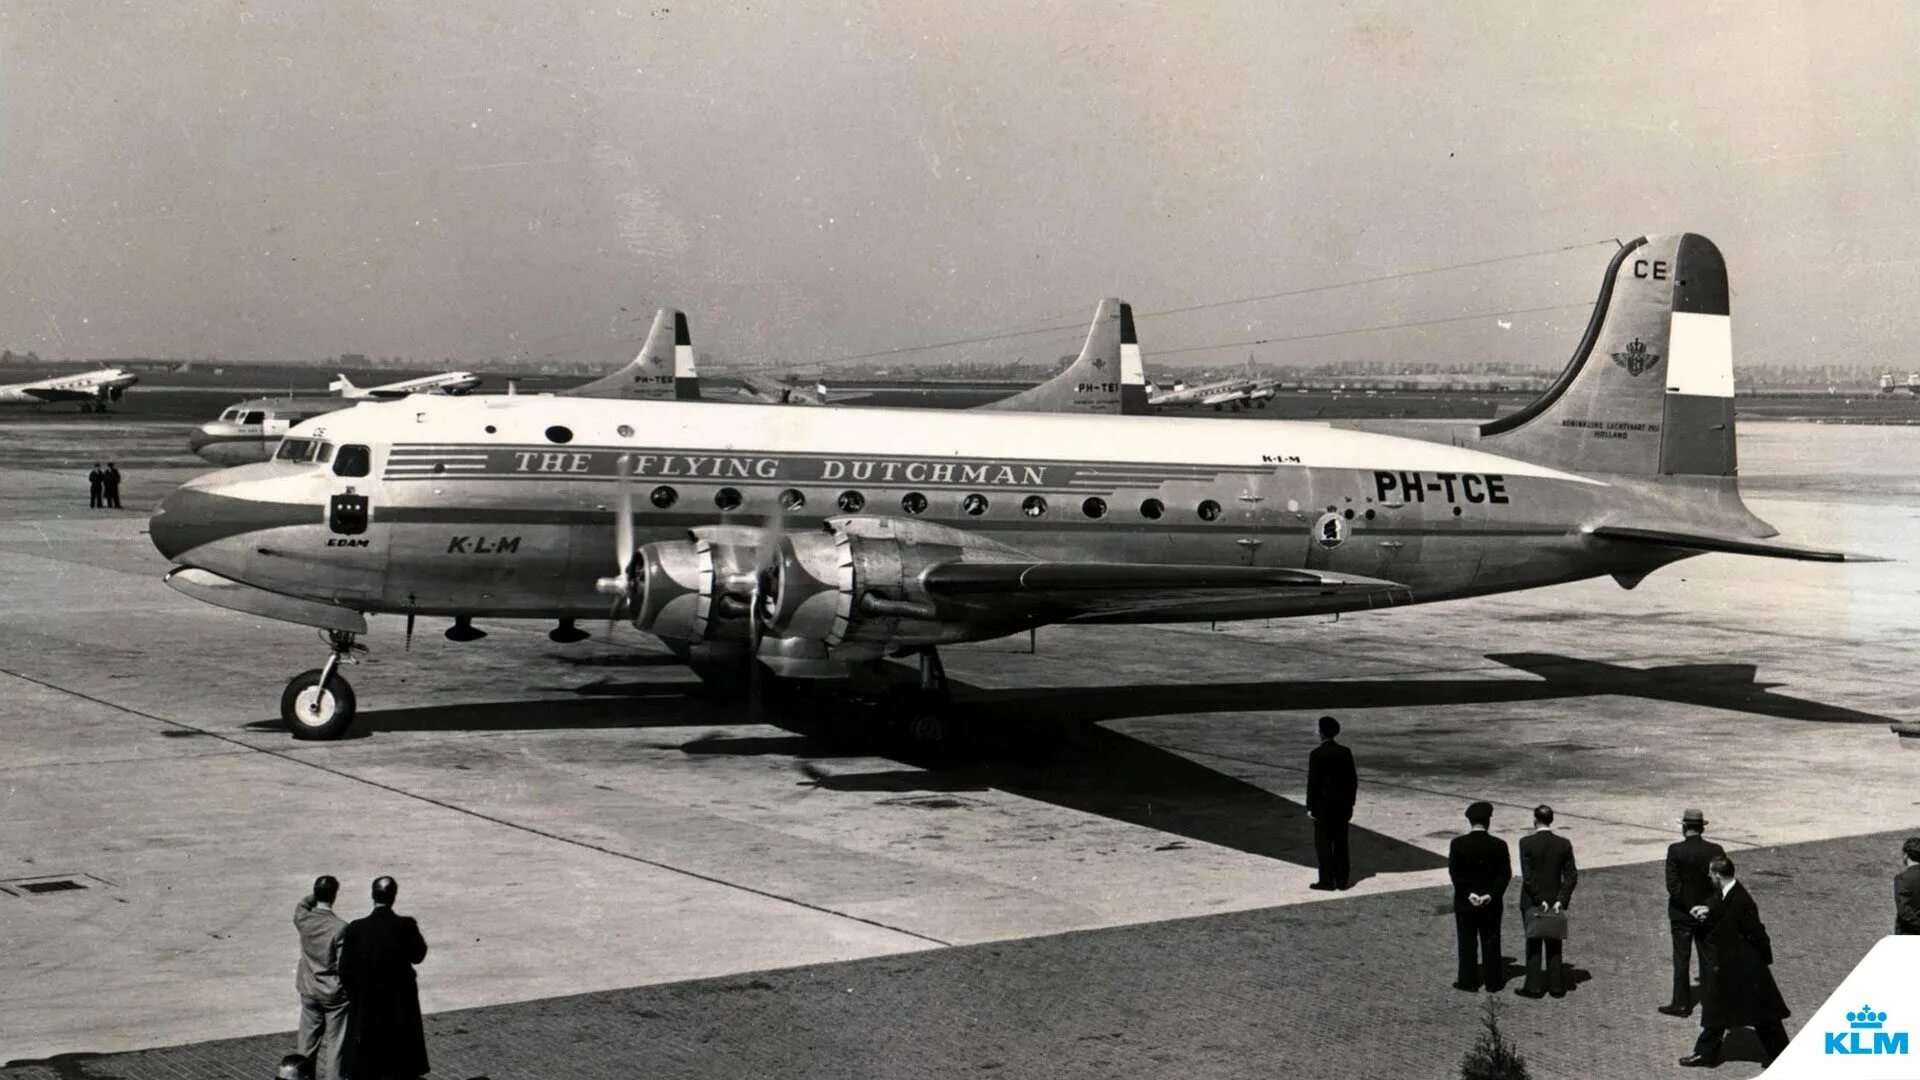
[{"x": 585, "y": 818}]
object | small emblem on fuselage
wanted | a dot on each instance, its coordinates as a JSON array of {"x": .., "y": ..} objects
[
  {"x": 1330, "y": 531},
  {"x": 1636, "y": 358}
]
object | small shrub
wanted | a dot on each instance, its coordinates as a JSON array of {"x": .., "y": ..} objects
[{"x": 1493, "y": 1056}]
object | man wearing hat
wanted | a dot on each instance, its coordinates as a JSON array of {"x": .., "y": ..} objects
[
  {"x": 1687, "y": 888},
  {"x": 1480, "y": 868}
]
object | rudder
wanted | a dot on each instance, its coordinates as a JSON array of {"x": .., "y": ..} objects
[{"x": 1649, "y": 390}]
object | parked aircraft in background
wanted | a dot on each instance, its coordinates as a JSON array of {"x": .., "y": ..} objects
[
  {"x": 249, "y": 431},
  {"x": 451, "y": 382},
  {"x": 1888, "y": 384},
  {"x": 1248, "y": 391},
  {"x": 814, "y": 543},
  {"x": 1106, "y": 377},
  {"x": 91, "y": 390}
]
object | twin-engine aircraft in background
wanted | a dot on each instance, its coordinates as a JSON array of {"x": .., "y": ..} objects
[
  {"x": 91, "y": 390},
  {"x": 1240, "y": 391},
  {"x": 448, "y": 382},
  {"x": 813, "y": 543}
]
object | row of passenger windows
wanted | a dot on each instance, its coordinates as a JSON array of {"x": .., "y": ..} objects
[{"x": 913, "y": 502}]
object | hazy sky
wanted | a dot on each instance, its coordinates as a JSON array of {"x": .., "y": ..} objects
[{"x": 271, "y": 180}]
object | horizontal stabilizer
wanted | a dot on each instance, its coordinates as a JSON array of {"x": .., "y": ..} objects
[{"x": 1731, "y": 545}]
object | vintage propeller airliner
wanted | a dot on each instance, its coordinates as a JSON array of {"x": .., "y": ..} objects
[{"x": 813, "y": 543}]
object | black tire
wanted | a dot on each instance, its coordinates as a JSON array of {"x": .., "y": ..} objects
[{"x": 335, "y": 706}]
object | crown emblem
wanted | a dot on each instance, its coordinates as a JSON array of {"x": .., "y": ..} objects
[
  {"x": 1636, "y": 358},
  {"x": 1099, "y": 362},
  {"x": 1866, "y": 1019}
]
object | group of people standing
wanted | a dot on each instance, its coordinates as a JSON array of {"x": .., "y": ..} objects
[
  {"x": 359, "y": 1003},
  {"x": 103, "y": 487},
  {"x": 1710, "y": 913}
]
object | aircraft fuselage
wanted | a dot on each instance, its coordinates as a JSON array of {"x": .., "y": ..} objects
[{"x": 481, "y": 507}]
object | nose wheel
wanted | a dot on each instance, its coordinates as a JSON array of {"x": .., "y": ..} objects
[{"x": 319, "y": 704}]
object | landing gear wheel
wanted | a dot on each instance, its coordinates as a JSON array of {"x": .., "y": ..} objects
[
  {"x": 930, "y": 727},
  {"x": 313, "y": 712}
]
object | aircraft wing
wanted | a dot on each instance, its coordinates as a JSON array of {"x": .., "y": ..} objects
[
  {"x": 49, "y": 393},
  {"x": 1097, "y": 591},
  {"x": 1731, "y": 545}
]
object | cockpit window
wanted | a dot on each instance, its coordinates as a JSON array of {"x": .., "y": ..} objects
[
  {"x": 254, "y": 417},
  {"x": 230, "y": 414},
  {"x": 352, "y": 461},
  {"x": 304, "y": 450}
]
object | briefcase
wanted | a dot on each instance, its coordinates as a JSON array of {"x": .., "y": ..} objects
[{"x": 1547, "y": 924}]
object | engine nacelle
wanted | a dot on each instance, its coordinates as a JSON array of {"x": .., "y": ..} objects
[
  {"x": 848, "y": 591},
  {"x": 700, "y": 589},
  {"x": 855, "y": 585}
]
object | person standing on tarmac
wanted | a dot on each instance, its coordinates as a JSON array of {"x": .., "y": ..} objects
[
  {"x": 110, "y": 481},
  {"x": 96, "y": 480},
  {"x": 1332, "y": 787},
  {"x": 1688, "y": 887}
]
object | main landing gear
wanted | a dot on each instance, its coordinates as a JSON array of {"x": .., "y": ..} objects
[
  {"x": 924, "y": 711},
  {"x": 319, "y": 704}
]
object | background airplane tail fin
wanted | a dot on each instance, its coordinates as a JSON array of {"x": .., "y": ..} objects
[
  {"x": 1649, "y": 391},
  {"x": 662, "y": 369},
  {"x": 1095, "y": 381},
  {"x": 342, "y": 385}
]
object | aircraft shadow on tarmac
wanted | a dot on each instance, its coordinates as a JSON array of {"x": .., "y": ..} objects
[{"x": 1047, "y": 743}]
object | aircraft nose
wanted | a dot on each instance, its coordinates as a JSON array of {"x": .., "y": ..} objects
[
  {"x": 200, "y": 512},
  {"x": 199, "y": 438}
]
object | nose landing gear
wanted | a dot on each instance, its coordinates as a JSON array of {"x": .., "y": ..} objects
[{"x": 319, "y": 704}]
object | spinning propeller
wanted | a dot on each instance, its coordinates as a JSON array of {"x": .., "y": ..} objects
[{"x": 622, "y": 586}]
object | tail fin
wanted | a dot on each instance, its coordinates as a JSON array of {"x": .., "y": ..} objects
[
  {"x": 343, "y": 385},
  {"x": 662, "y": 369},
  {"x": 1096, "y": 381},
  {"x": 1649, "y": 391}
]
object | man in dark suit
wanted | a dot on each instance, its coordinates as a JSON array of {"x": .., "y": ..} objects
[
  {"x": 1906, "y": 889},
  {"x": 323, "y": 1001},
  {"x": 1740, "y": 991},
  {"x": 1687, "y": 888},
  {"x": 110, "y": 486},
  {"x": 377, "y": 955},
  {"x": 1332, "y": 786},
  {"x": 1547, "y": 878},
  {"x": 1480, "y": 868},
  {"x": 96, "y": 481}
]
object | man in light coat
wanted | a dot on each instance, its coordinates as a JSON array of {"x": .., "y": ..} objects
[{"x": 323, "y": 1001}]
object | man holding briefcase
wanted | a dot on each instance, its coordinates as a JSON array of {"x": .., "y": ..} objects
[{"x": 1547, "y": 878}]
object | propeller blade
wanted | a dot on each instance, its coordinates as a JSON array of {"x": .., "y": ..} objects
[
  {"x": 756, "y": 628},
  {"x": 623, "y": 524}
]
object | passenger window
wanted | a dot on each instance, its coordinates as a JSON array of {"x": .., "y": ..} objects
[
  {"x": 1094, "y": 507},
  {"x": 974, "y": 504},
  {"x": 664, "y": 496},
  {"x": 851, "y": 502},
  {"x": 353, "y": 461},
  {"x": 727, "y": 499},
  {"x": 1152, "y": 509},
  {"x": 791, "y": 499},
  {"x": 1208, "y": 510},
  {"x": 1034, "y": 506},
  {"x": 913, "y": 502}
]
